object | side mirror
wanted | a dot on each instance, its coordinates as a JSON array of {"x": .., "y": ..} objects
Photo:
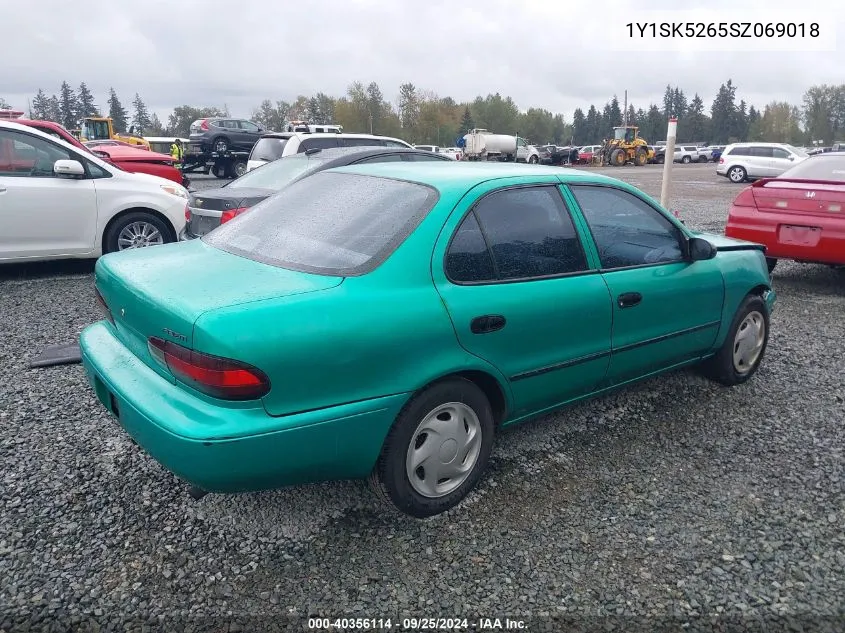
[
  {"x": 68, "y": 168},
  {"x": 700, "y": 249},
  {"x": 792, "y": 158}
]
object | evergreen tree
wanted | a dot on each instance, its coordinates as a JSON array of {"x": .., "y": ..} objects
[
  {"x": 54, "y": 109},
  {"x": 694, "y": 127},
  {"x": 579, "y": 127},
  {"x": 68, "y": 107},
  {"x": 117, "y": 113},
  {"x": 4, "y": 105},
  {"x": 723, "y": 113},
  {"x": 467, "y": 123},
  {"x": 87, "y": 107},
  {"x": 40, "y": 105},
  {"x": 141, "y": 116}
]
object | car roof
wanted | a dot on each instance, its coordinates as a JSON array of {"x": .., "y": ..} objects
[
  {"x": 465, "y": 175},
  {"x": 29, "y": 129},
  {"x": 304, "y": 135}
]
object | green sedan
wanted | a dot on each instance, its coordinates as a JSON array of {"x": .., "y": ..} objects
[{"x": 386, "y": 321}]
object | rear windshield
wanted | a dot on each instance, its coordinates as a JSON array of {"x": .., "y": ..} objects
[
  {"x": 268, "y": 149},
  {"x": 329, "y": 223},
  {"x": 277, "y": 174},
  {"x": 822, "y": 167}
]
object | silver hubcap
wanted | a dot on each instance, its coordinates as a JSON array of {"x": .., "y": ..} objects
[
  {"x": 444, "y": 449},
  {"x": 748, "y": 342},
  {"x": 139, "y": 235},
  {"x": 736, "y": 175}
]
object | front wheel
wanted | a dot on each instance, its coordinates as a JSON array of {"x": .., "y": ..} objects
[
  {"x": 136, "y": 230},
  {"x": 741, "y": 353},
  {"x": 437, "y": 449},
  {"x": 702, "y": 159},
  {"x": 686, "y": 160},
  {"x": 533, "y": 160}
]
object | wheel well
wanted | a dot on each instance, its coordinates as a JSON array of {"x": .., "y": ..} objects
[
  {"x": 759, "y": 290},
  {"x": 153, "y": 212},
  {"x": 491, "y": 388}
]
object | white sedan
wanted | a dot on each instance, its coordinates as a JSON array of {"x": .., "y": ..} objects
[{"x": 57, "y": 202}]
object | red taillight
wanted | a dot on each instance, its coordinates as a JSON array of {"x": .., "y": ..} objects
[
  {"x": 101, "y": 303},
  {"x": 204, "y": 124},
  {"x": 745, "y": 198},
  {"x": 187, "y": 213},
  {"x": 721, "y": 160},
  {"x": 231, "y": 213},
  {"x": 218, "y": 377}
]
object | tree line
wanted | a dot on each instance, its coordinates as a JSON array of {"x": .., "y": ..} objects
[{"x": 421, "y": 116}]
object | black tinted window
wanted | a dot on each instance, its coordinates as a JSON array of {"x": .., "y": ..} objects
[
  {"x": 739, "y": 151},
  {"x": 468, "y": 258},
  {"x": 530, "y": 233},
  {"x": 268, "y": 149},
  {"x": 762, "y": 152},
  {"x": 627, "y": 230},
  {"x": 329, "y": 223},
  {"x": 317, "y": 143},
  {"x": 361, "y": 142}
]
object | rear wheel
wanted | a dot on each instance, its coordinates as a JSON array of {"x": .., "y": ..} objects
[
  {"x": 741, "y": 353},
  {"x": 237, "y": 169},
  {"x": 702, "y": 159},
  {"x": 660, "y": 159},
  {"x": 218, "y": 171},
  {"x": 221, "y": 144},
  {"x": 641, "y": 157},
  {"x": 737, "y": 174},
  {"x": 686, "y": 160},
  {"x": 137, "y": 230},
  {"x": 533, "y": 160},
  {"x": 437, "y": 449}
]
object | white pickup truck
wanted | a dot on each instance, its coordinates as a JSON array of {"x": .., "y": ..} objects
[{"x": 691, "y": 154}]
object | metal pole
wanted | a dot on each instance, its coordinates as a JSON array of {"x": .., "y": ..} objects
[
  {"x": 668, "y": 161},
  {"x": 625, "y": 111}
]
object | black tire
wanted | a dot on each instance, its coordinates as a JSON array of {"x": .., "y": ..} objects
[
  {"x": 686, "y": 160},
  {"x": 218, "y": 171},
  {"x": 236, "y": 169},
  {"x": 389, "y": 479},
  {"x": 617, "y": 157},
  {"x": 721, "y": 367},
  {"x": 771, "y": 262},
  {"x": 640, "y": 157},
  {"x": 533, "y": 160},
  {"x": 737, "y": 174},
  {"x": 220, "y": 144},
  {"x": 660, "y": 159},
  {"x": 110, "y": 240},
  {"x": 702, "y": 159}
]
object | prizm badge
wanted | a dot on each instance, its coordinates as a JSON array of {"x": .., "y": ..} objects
[{"x": 176, "y": 335}]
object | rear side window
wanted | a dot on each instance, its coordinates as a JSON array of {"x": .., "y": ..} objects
[
  {"x": 317, "y": 143},
  {"x": 329, "y": 223},
  {"x": 468, "y": 259},
  {"x": 423, "y": 157},
  {"x": 529, "y": 234},
  {"x": 738, "y": 151},
  {"x": 268, "y": 149},
  {"x": 361, "y": 142}
]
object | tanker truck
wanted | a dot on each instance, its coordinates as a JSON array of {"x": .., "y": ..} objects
[{"x": 483, "y": 145}]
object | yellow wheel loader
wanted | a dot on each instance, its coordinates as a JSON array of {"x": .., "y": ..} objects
[
  {"x": 98, "y": 128},
  {"x": 626, "y": 146}
]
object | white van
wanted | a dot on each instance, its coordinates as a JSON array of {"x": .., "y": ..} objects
[{"x": 275, "y": 145}]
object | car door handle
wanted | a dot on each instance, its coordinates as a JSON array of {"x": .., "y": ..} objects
[
  {"x": 629, "y": 299},
  {"x": 487, "y": 323},
  {"x": 2, "y": 189}
]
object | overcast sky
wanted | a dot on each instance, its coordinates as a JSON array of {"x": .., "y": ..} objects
[{"x": 554, "y": 54}]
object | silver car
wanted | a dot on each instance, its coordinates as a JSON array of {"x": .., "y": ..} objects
[{"x": 749, "y": 161}]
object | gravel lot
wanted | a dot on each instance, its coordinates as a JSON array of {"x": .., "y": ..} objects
[{"x": 676, "y": 498}]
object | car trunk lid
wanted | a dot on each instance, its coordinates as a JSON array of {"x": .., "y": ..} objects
[
  {"x": 206, "y": 208},
  {"x": 161, "y": 291},
  {"x": 799, "y": 197}
]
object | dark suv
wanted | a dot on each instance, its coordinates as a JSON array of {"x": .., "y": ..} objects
[{"x": 221, "y": 135}]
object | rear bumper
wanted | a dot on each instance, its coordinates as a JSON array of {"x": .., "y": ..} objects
[
  {"x": 229, "y": 448},
  {"x": 747, "y": 223}
]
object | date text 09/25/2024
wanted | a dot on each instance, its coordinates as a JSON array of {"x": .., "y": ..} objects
[
  {"x": 739, "y": 30},
  {"x": 415, "y": 624}
]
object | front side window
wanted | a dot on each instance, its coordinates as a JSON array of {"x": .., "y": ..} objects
[
  {"x": 395, "y": 144},
  {"x": 360, "y": 142},
  {"x": 248, "y": 126},
  {"x": 820, "y": 167},
  {"x": 762, "y": 152},
  {"x": 777, "y": 152},
  {"x": 627, "y": 230},
  {"x": 268, "y": 149},
  {"x": 25, "y": 155},
  {"x": 529, "y": 234},
  {"x": 329, "y": 223}
]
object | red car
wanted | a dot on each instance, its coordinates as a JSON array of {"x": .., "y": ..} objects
[
  {"x": 799, "y": 215},
  {"x": 127, "y": 158}
]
